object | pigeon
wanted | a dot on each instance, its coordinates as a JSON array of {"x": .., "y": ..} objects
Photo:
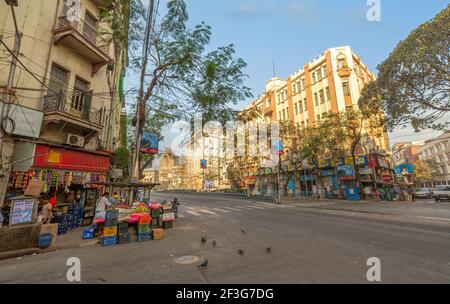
[
  {"x": 268, "y": 250},
  {"x": 241, "y": 252},
  {"x": 244, "y": 230},
  {"x": 204, "y": 264},
  {"x": 214, "y": 243},
  {"x": 203, "y": 239}
]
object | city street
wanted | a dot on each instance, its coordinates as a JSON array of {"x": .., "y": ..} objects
[{"x": 311, "y": 242}]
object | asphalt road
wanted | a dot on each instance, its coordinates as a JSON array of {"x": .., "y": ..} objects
[{"x": 309, "y": 245}]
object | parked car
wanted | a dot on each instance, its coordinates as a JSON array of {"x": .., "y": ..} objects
[
  {"x": 442, "y": 193},
  {"x": 423, "y": 193}
]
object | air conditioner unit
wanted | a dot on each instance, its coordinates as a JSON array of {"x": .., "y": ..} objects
[{"x": 75, "y": 140}]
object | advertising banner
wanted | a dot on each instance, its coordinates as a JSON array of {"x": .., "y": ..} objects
[{"x": 149, "y": 143}]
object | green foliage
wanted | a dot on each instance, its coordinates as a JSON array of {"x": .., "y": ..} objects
[
  {"x": 121, "y": 160},
  {"x": 414, "y": 82}
]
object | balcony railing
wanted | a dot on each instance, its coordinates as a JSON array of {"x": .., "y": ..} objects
[
  {"x": 87, "y": 31},
  {"x": 77, "y": 105}
]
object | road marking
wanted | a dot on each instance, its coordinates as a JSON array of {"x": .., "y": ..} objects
[
  {"x": 220, "y": 210},
  {"x": 207, "y": 211},
  {"x": 233, "y": 208},
  {"x": 257, "y": 207},
  {"x": 193, "y": 213}
]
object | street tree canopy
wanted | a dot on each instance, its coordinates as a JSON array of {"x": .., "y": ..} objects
[{"x": 414, "y": 81}]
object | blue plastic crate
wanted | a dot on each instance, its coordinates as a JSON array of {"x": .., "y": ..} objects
[
  {"x": 45, "y": 241},
  {"x": 143, "y": 237},
  {"x": 109, "y": 241}
]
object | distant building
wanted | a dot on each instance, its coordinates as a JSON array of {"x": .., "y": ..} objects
[
  {"x": 171, "y": 171},
  {"x": 437, "y": 150},
  {"x": 151, "y": 176},
  {"x": 406, "y": 152}
]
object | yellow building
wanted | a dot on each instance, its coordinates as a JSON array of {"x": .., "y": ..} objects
[
  {"x": 331, "y": 83},
  {"x": 151, "y": 176},
  {"x": 66, "y": 87},
  {"x": 171, "y": 171}
]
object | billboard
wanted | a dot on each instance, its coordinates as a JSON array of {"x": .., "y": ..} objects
[{"x": 149, "y": 143}]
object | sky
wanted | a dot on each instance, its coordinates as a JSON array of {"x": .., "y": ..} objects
[{"x": 294, "y": 32}]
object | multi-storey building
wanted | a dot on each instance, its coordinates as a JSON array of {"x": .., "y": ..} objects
[
  {"x": 437, "y": 151},
  {"x": 66, "y": 86},
  {"x": 151, "y": 176},
  {"x": 331, "y": 83},
  {"x": 406, "y": 152},
  {"x": 171, "y": 171}
]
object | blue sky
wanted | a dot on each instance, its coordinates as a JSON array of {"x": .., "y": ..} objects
[{"x": 293, "y": 32}]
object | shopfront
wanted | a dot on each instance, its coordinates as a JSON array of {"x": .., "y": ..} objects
[{"x": 70, "y": 176}]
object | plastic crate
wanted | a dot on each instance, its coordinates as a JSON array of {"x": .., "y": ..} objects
[
  {"x": 45, "y": 240},
  {"x": 124, "y": 238},
  {"x": 123, "y": 227},
  {"x": 111, "y": 218},
  {"x": 88, "y": 234},
  {"x": 143, "y": 237},
  {"x": 109, "y": 241},
  {"x": 110, "y": 231},
  {"x": 143, "y": 228}
]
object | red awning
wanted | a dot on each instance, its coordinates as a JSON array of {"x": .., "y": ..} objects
[{"x": 67, "y": 159}]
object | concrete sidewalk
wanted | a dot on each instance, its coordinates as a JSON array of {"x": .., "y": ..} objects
[
  {"x": 71, "y": 240},
  {"x": 422, "y": 208}
]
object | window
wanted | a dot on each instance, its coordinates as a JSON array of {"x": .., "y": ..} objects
[
  {"x": 294, "y": 88},
  {"x": 307, "y": 122},
  {"x": 269, "y": 102},
  {"x": 318, "y": 116},
  {"x": 325, "y": 71},
  {"x": 327, "y": 89},
  {"x": 319, "y": 74},
  {"x": 316, "y": 99},
  {"x": 304, "y": 104},
  {"x": 296, "y": 108},
  {"x": 300, "y": 107},
  {"x": 58, "y": 79},
  {"x": 342, "y": 62},
  {"x": 313, "y": 77},
  {"x": 90, "y": 27},
  {"x": 299, "y": 86},
  {"x": 80, "y": 94},
  {"x": 346, "y": 89},
  {"x": 303, "y": 84},
  {"x": 322, "y": 97}
]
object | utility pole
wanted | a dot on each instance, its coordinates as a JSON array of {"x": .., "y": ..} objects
[
  {"x": 4, "y": 116},
  {"x": 140, "y": 107}
]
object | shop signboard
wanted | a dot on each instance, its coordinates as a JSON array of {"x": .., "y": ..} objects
[
  {"x": 359, "y": 160},
  {"x": 337, "y": 161},
  {"x": 308, "y": 178},
  {"x": 383, "y": 163},
  {"x": 366, "y": 171},
  {"x": 203, "y": 163},
  {"x": 404, "y": 168},
  {"x": 324, "y": 163},
  {"x": 346, "y": 172},
  {"x": 327, "y": 173},
  {"x": 372, "y": 161},
  {"x": 149, "y": 143},
  {"x": 23, "y": 211}
]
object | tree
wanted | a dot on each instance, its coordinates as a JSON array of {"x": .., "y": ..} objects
[
  {"x": 414, "y": 81},
  {"x": 178, "y": 76},
  {"x": 425, "y": 171}
]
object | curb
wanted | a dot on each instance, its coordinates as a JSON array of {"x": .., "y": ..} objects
[{"x": 34, "y": 251}]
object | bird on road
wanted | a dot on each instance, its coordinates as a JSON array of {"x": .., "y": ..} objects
[
  {"x": 204, "y": 264},
  {"x": 244, "y": 230},
  {"x": 241, "y": 252},
  {"x": 268, "y": 250},
  {"x": 203, "y": 239},
  {"x": 214, "y": 243}
]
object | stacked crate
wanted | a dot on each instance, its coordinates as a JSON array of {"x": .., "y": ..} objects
[
  {"x": 124, "y": 235},
  {"x": 157, "y": 234},
  {"x": 156, "y": 218},
  {"x": 109, "y": 236},
  {"x": 144, "y": 228}
]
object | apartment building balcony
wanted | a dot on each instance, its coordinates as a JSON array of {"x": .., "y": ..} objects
[
  {"x": 73, "y": 110},
  {"x": 81, "y": 37}
]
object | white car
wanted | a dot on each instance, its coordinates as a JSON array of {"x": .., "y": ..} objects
[{"x": 441, "y": 193}]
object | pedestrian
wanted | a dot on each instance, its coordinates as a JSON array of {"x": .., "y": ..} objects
[
  {"x": 175, "y": 205},
  {"x": 47, "y": 211},
  {"x": 102, "y": 203}
]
